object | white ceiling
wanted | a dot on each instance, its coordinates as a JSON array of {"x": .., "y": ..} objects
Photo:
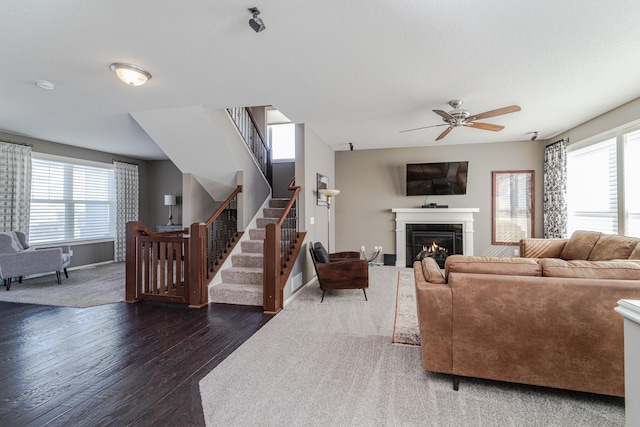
[{"x": 354, "y": 71}]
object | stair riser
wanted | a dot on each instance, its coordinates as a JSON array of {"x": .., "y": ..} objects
[
  {"x": 223, "y": 295},
  {"x": 248, "y": 278},
  {"x": 252, "y": 246},
  {"x": 278, "y": 203},
  {"x": 257, "y": 233},
  {"x": 272, "y": 212},
  {"x": 244, "y": 260},
  {"x": 262, "y": 222}
]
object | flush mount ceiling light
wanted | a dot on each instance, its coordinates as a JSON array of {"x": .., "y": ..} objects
[
  {"x": 255, "y": 22},
  {"x": 130, "y": 74},
  {"x": 44, "y": 84}
]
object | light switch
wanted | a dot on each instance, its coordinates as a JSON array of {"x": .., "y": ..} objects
[{"x": 312, "y": 220}]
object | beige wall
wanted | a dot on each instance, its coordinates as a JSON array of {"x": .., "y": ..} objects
[
  {"x": 626, "y": 114},
  {"x": 372, "y": 182}
]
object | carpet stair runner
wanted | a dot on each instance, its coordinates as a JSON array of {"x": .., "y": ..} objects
[{"x": 242, "y": 283}]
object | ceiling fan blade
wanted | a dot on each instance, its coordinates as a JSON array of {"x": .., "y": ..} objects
[
  {"x": 444, "y": 114},
  {"x": 445, "y": 133},
  {"x": 485, "y": 126},
  {"x": 497, "y": 112},
  {"x": 424, "y": 127}
]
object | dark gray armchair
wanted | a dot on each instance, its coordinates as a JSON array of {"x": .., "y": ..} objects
[{"x": 18, "y": 259}]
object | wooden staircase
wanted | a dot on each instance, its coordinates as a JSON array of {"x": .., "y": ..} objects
[{"x": 242, "y": 284}]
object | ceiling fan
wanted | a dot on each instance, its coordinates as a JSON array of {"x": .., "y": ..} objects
[{"x": 459, "y": 117}]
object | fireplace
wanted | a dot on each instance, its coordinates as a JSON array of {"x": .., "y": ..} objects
[
  {"x": 436, "y": 216},
  {"x": 436, "y": 241}
]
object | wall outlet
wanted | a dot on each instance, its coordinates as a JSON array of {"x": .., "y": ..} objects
[
  {"x": 363, "y": 249},
  {"x": 516, "y": 252}
]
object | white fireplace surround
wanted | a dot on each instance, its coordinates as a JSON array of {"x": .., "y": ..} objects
[{"x": 406, "y": 216}]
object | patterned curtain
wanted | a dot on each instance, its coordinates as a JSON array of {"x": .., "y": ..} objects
[
  {"x": 15, "y": 187},
  {"x": 127, "y": 190},
  {"x": 555, "y": 190}
]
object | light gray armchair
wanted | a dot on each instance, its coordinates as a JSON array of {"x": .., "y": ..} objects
[{"x": 18, "y": 259}]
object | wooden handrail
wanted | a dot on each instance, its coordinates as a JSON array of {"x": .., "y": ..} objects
[
  {"x": 257, "y": 128},
  {"x": 289, "y": 205},
  {"x": 254, "y": 139},
  {"x": 223, "y": 206}
]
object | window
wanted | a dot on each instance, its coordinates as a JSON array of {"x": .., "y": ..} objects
[
  {"x": 602, "y": 182},
  {"x": 592, "y": 197},
  {"x": 70, "y": 201},
  {"x": 282, "y": 140},
  {"x": 632, "y": 178}
]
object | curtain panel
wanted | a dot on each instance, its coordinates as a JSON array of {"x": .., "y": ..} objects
[
  {"x": 15, "y": 187},
  {"x": 555, "y": 190},
  {"x": 127, "y": 204}
]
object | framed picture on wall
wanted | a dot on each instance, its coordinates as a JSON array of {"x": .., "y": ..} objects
[
  {"x": 322, "y": 183},
  {"x": 513, "y": 206}
]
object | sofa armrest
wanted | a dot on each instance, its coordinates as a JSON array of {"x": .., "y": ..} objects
[
  {"x": 434, "y": 305},
  {"x": 541, "y": 248}
]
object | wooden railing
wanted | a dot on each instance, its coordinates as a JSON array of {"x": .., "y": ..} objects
[
  {"x": 281, "y": 248},
  {"x": 177, "y": 266},
  {"x": 254, "y": 139}
]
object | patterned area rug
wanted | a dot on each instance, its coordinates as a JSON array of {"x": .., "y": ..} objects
[
  {"x": 85, "y": 287},
  {"x": 405, "y": 328}
]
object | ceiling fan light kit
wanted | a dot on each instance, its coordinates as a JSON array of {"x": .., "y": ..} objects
[{"x": 460, "y": 117}]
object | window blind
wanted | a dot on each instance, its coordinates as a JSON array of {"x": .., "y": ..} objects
[
  {"x": 592, "y": 195},
  {"x": 70, "y": 202}
]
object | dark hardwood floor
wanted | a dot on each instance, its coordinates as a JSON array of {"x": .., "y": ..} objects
[{"x": 116, "y": 364}]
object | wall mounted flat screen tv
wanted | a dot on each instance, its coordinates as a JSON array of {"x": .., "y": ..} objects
[{"x": 429, "y": 179}]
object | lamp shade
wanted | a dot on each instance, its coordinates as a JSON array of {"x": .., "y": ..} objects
[
  {"x": 169, "y": 200},
  {"x": 329, "y": 192},
  {"x": 130, "y": 74}
]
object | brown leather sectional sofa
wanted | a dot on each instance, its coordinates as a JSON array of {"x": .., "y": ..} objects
[{"x": 545, "y": 318}]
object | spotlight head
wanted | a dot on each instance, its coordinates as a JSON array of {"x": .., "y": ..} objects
[
  {"x": 534, "y": 136},
  {"x": 255, "y": 22}
]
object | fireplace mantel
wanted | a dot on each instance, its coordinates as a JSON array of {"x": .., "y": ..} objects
[{"x": 406, "y": 216}]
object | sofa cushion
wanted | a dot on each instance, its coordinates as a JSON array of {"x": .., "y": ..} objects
[
  {"x": 613, "y": 247},
  {"x": 492, "y": 265},
  {"x": 320, "y": 253},
  {"x": 431, "y": 271},
  {"x": 636, "y": 252},
  {"x": 580, "y": 244},
  {"x": 553, "y": 267}
]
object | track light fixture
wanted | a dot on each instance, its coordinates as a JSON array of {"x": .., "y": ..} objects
[
  {"x": 255, "y": 22},
  {"x": 535, "y": 135}
]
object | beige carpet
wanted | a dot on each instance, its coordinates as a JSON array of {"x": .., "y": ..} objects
[
  {"x": 333, "y": 364},
  {"x": 87, "y": 287},
  {"x": 405, "y": 328}
]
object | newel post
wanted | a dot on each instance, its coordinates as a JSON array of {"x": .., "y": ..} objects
[
  {"x": 131, "y": 261},
  {"x": 272, "y": 302},
  {"x": 197, "y": 296}
]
